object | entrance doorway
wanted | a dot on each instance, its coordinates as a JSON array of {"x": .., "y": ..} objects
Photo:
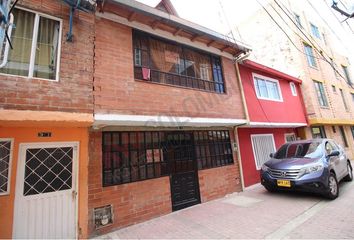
[
  {"x": 180, "y": 154},
  {"x": 45, "y": 202}
]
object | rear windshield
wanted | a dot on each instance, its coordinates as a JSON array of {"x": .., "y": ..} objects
[{"x": 300, "y": 150}]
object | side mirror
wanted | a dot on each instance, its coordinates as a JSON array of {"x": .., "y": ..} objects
[
  {"x": 271, "y": 155},
  {"x": 333, "y": 153}
]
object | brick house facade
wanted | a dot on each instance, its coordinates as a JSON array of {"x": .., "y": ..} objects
[
  {"x": 167, "y": 99},
  {"x": 46, "y": 107}
]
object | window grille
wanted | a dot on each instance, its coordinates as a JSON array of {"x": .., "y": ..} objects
[
  {"x": 135, "y": 156},
  {"x": 263, "y": 145},
  {"x": 5, "y": 163},
  {"x": 175, "y": 64}
]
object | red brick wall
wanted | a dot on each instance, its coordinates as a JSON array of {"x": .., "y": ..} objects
[
  {"x": 217, "y": 182},
  {"x": 73, "y": 92},
  {"x": 132, "y": 203},
  {"x": 116, "y": 91}
]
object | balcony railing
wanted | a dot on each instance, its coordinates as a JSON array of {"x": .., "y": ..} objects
[{"x": 180, "y": 80}]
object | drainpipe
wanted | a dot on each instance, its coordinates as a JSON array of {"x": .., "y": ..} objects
[
  {"x": 239, "y": 158},
  {"x": 238, "y": 76}
]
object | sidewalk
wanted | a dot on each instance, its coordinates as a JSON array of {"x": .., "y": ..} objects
[{"x": 254, "y": 213}]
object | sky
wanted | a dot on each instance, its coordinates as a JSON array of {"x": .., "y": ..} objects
[
  {"x": 224, "y": 15},
  {"x": 218, "y": 15}
]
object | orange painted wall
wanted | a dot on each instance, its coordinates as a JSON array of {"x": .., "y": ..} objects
[{"x": 29, "y": 135}]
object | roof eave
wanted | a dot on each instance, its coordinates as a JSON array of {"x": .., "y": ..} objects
[
  {"x": 272, "y": 71},
  {"x": 182, "y": 23}
]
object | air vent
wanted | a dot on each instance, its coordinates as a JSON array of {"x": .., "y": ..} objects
[{"x": 103, "y": 216}]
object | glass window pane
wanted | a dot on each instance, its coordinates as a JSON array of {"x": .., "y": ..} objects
[
  {"x": 46, "y": 63},
  {"x": 262, "y": 88},
  {"x": 21, "y": 38}
]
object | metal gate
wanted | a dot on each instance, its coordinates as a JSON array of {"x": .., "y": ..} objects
[
  {"x": 45, "y": 202},
  {"x": 180, "y": 155}
]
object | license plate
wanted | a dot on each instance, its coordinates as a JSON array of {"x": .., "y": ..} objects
[{"x": 283, "y": 183}]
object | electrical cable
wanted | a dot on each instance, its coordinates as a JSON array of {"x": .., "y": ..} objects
[
  {"x": 331, "y": 10},
  {"x": 289, "y": 38},
  {"x": 321, "y": 51}
]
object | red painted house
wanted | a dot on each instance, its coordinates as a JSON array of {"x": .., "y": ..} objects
[{"x": 276, "y": 112}]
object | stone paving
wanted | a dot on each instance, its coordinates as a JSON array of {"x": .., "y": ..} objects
[{"x": 254, "y": 213}]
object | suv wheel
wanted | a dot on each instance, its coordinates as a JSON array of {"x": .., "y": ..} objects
[
  {"x": 332, "y": 187},
  {"x": 349, "y": 177}
]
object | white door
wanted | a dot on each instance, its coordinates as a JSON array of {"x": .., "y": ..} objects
[{"x": 45, "y": 201}]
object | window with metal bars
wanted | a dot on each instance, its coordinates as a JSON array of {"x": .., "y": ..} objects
[
  {"x": 132, "y": 156},
  {"x": 213, "y": 149},
  {"x": 5, "y": 163},
  {"x": 262, "y": 146},
  {"x": 135, "y": 156},
  {"x": 162, "y": 61}
]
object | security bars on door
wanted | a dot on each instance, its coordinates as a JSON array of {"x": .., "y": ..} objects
[
  {"x": 134, "y": 156},
  {"x": 48, "y": 170},
  {"x": 5, "y": 154}
]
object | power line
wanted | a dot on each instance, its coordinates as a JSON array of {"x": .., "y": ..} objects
[
  {"x": 340, "y": 23},
  {"x": 305, "y": 34},
  {"x": 289, "y": 38},
  {"x": 324, "y": 20},
  {"x": 228, "y": 23},
  {"x": 321, "y": 51}
]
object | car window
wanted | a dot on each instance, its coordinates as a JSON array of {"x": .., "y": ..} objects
[
  {"x": 328, "y": 147},
  {"x": 334, "y": 145},
  {"x": 300, "y": 150}
]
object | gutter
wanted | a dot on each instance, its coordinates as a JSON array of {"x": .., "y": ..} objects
[{"x": 181, "y": 23}]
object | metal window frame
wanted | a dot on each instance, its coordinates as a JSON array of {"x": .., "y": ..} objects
[
  {"x": 211, "y": 160},
  {"x": 311, "y": 60},
  {"x": 38, "y": 15},
  {"x": 321, "y": 95},
  {"x": 11, "y": 140},
  {"x": 138, "y": 33}
]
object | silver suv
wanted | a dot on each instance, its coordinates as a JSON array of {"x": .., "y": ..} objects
[{"x": 310, "y": 165}]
